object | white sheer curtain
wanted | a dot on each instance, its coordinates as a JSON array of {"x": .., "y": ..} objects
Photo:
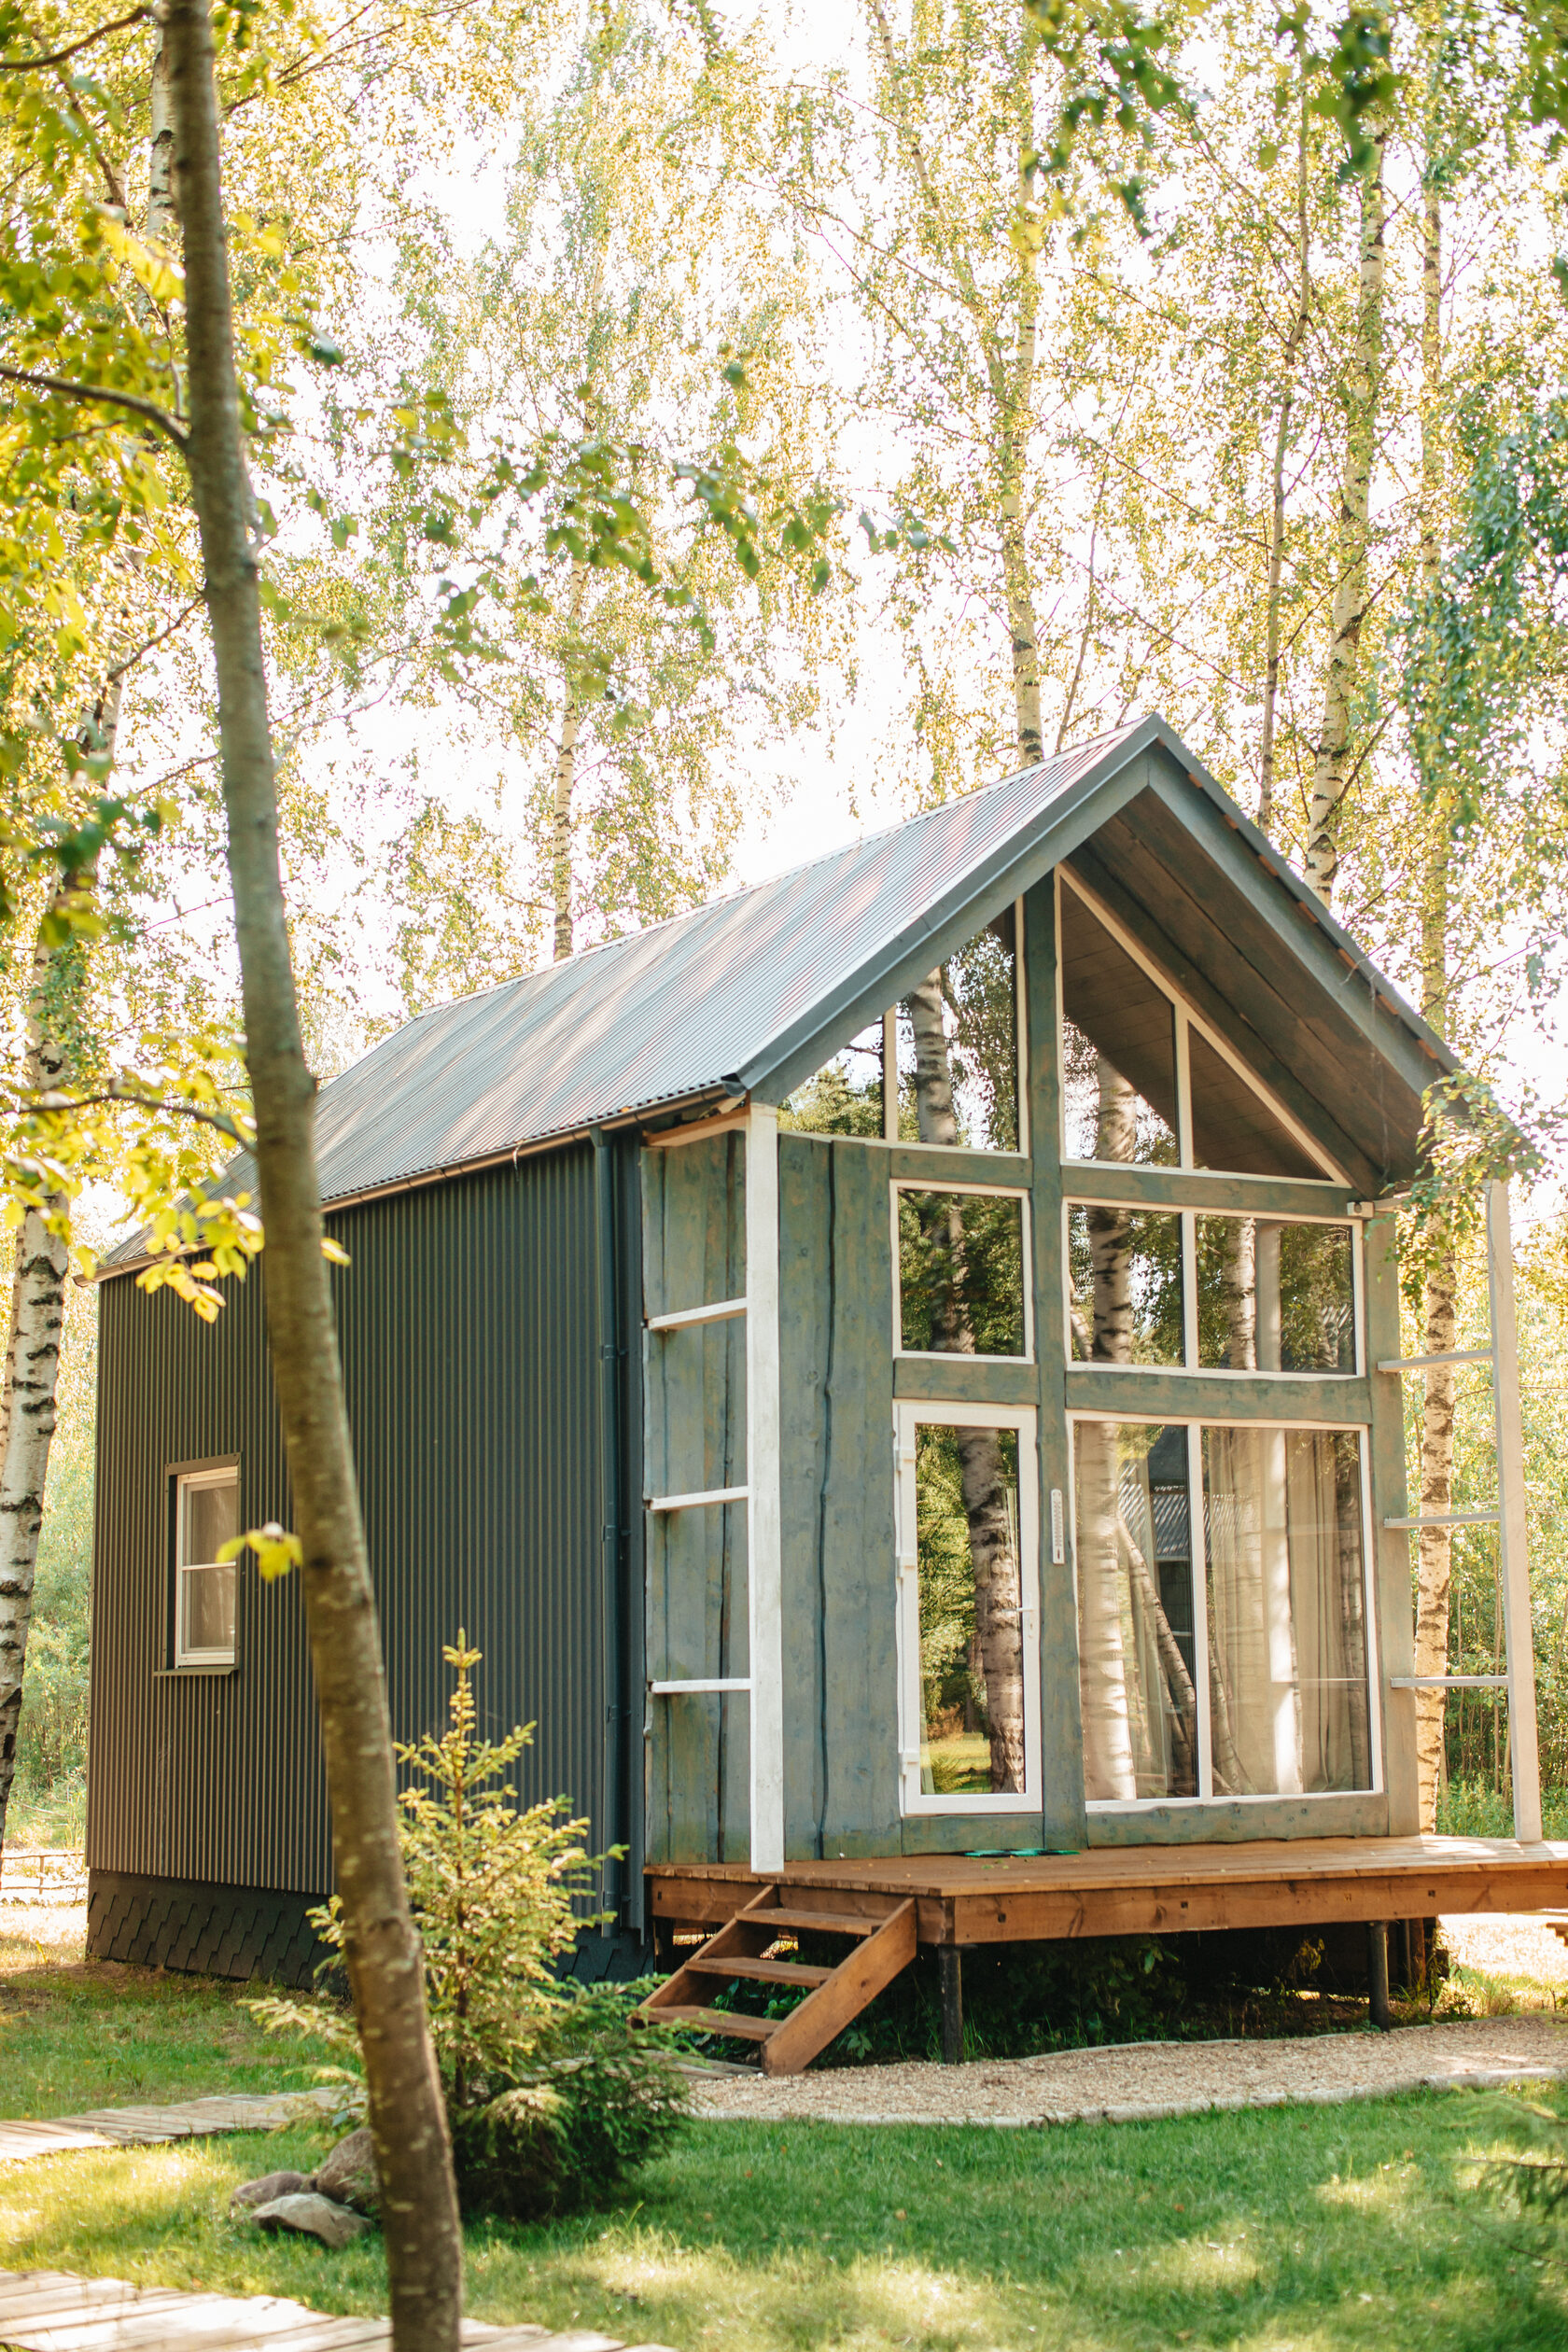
[
  {"x": 1287, "y": 1632},
  {"x": 1136, "y": 1695}
]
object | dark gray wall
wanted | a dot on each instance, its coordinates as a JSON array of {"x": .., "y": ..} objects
[{"x": 470, "y": 1325}]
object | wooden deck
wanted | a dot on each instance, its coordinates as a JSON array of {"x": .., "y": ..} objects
[{"x": 1142, "y": 1890}]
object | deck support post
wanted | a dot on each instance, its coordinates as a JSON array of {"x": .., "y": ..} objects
[
  {"x": 764, "y": 1500},
  {"x": 949, "y": 1970},
  {"x": 1523, "y": 1738},
  {"x": 1378, "y": 1974}
]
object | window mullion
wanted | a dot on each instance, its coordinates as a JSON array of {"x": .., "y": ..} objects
[{"x": 1198, "y": 1547}]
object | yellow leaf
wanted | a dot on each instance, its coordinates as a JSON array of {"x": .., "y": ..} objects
[{"x": 334, "y": 1250}]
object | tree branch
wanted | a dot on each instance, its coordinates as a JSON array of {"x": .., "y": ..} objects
[
  {"x": 225, "y": 1126},
  {"x": 68, "y": 390},
  {"x": 58, "y": 57}
]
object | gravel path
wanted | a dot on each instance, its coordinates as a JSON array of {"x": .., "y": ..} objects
[
  {"x": 1141, "y": 2081},
  {"x": 1509, "y": 1944}
]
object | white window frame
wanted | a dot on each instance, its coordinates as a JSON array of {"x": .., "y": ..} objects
[
  {"x": 1086, "y": 1198},
  {"x": 907, "y": 1415},
  {"x": 1026, "y": 1266},
  {"x": 1186, "y": 1020},
  {"x": 1194, "y": 1427},
  {"x": 190, "y": 1482}
]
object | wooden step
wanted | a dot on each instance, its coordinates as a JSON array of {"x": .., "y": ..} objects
[
  {"x": 763, "y": 1971},
  {"x": 882, "y": 1946},
  {"x": 829, "y": 1923},
  {"x": 712, "y": 2021}
]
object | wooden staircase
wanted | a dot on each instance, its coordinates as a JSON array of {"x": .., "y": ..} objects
[{"x": 881, "y": 1943}]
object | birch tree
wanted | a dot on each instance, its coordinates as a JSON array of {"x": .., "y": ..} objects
[
  {"x": 635, "y": 283},
  {"x": 381, "y": 1946},
  {"x": 1331, "y": 770}
]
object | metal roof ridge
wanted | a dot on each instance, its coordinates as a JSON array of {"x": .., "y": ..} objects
[{"x": 749, "y": 889}]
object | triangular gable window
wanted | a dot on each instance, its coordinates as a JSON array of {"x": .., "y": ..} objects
[
  {"x": 941, "y": 1068},
  {"x": 1144, "y": 1083}
]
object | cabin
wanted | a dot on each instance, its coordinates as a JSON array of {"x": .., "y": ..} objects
[{"x": 897, "y": 1370}]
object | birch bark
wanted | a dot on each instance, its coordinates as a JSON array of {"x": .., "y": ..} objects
[
  {"x": 1293, "y": 342},
  {"x": 406, "y": 2115},
  {"x": 56, "y": 1011},
  {"x": 1331, "y": 760},
  {"x": 1009, "y": 372}
]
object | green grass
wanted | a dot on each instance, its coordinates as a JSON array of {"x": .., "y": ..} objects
[{"x": 1315, "y": 2228}]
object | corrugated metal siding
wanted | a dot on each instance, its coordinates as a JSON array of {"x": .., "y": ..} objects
[{"x": 469, "y": 1326}]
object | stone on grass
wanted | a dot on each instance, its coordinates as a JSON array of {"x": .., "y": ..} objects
[
  {"x": 313, "y": 2216},
  {"x": 348, "y": 2173},
  {"x": 271, "y": 2185}
]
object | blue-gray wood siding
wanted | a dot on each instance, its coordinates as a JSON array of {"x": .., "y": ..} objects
[{"x": 469, "y": 1335}]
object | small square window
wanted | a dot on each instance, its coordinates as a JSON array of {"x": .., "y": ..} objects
[
  {"x": 207, "y": 1517},
  {"x": 961, "y": 1258}
]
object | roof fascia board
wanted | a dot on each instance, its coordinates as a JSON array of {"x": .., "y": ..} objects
[
  {"x": 799, "y": 1051},
  {"x": 1328, "y": 955}
]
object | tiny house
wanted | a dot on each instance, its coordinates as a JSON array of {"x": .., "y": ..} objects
[{"x": 892, "y": 1370}]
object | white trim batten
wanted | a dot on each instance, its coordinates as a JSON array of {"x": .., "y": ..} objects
[
  {"x": 765, "y": 1523},
  {"x": 722, "y": 1310},
  {"x": 696, "y": 1501}
]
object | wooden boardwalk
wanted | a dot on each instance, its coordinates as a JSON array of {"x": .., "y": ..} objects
[
  {"x": 50, "y": 2311},
  {"x": 149, "y": 2126}
]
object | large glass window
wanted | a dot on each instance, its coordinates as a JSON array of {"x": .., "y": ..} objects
[
  {"x": 1118, "y": 1047},
  {"x": 941, "y": 1068},
  {"x": 1125, "y": 1285},
  {"x": 1232, "y": 1125},
  {"x": 1273, "y": 1698},
  {"x": 1271, "y": 1295},
  {"x": 844, "y": 1096},
  {"x": 967, "y": 1622},
  {"x": 207, "y": 1517},
  {"x": 961, "y": 1272},
  {"x": 958, "y": 1047},
  {"x": 1287, "y": 1611},
  {"x": 1136, "y": 1659},
  {"x": 1275, "y": 1297},
  {"x": 1138, "y": 1072}
]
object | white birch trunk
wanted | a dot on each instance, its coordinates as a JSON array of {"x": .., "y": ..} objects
[
  {"x": 1277, "y": 518},
  {"x": 1331, "y": 762},
  {"x": 560, "y": 839},
  {"x": 1434, "y": 1551}
]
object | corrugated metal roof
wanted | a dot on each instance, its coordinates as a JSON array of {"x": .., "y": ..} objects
[{"x": 739, "y": 991}]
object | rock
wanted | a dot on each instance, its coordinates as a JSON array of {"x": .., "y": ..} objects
[
  {"x": 271, "y": 2185},
  {"x": 349, "y": 2173},
  {"x": 313, "y": 2216}
]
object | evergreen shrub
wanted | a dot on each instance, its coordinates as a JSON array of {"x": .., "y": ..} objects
[{"x": 551, "y": 2099}]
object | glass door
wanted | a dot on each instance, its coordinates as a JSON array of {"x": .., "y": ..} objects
[{"x": 968, "y": 1609}]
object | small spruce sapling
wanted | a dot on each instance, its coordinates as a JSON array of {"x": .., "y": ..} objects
[{"x": 550, "y": 2100}]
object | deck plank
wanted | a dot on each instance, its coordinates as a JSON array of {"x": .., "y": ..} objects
[{"x": 1122, "y": 1890}]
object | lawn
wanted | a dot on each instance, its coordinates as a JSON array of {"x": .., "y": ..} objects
[{"x": 1312, "y": 2229}]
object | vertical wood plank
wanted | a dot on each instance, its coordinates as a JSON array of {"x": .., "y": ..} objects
[
  {"x": 1065, "y": 1822},
  {"x": 1395, "y": 1619},
  {"x": 803, "y": 1174},
  {"x": 764, "y": 1477},
  {"x": 854, "y": 1507},
  {"x": 694, "y": 1439}
]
